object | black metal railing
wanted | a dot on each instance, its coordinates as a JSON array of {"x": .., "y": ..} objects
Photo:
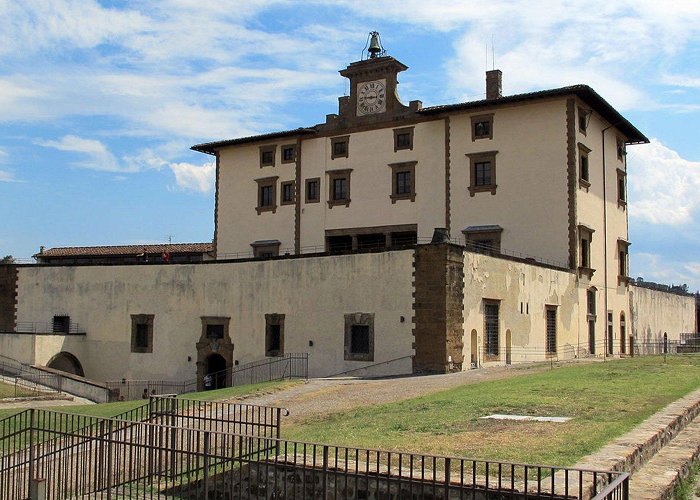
[
  {"x": 37, "y": 327},
  {"x": 110, "y": 458},
  {"x": 287, "y": 366}
]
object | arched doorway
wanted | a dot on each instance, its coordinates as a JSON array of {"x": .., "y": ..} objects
[
  {"x": 66, "y": 362},
  {"x": 508, "y": 342},
  {"x": 623, "y": 334},
  {"x": 475, "y": 351},
  {"x": 216, "y": 367}
]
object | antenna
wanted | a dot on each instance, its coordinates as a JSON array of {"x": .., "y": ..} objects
[
  {"x": 486, "y": 57},
  {"x": 493, "y": 54}
]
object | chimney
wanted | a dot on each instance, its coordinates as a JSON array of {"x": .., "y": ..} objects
[{"x": 493, "y": 84}]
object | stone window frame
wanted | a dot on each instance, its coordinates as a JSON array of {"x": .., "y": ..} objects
[
  {"x": 274, "y": 319},
  {"x": 488, "y": 118},
  {"x": 332, "y": 176},
  {"x": 268, "y": 149},
  {"x": 621, "y": 188},
  {"x": 142, "y": 319},
  {"x": 472, "y": 237},
  {"x": 293, "y": 199},
  {"x": 584, "y": 181},
  {"x": 549, "y": 343},
  {"x": 318, "y": 190},
  {"x": 337, "y": 140},
  {"x": 404, "y": 166},
  {"x": 584, "y": 117},
  {"x": 623, "y": 268},
  {"x": 585, "y": 234},
  {"x": 359, "y": 319},
  {"x": 403, "y": 131},
  {"x": 267, "y": 182},
  {"x": 263, "y": 247},
  {"x": 224, "y": 321},
  {"x": 286, "y": 147},
  {"x": 490, "y": 356},
  {"x": 482, "y": 157}
]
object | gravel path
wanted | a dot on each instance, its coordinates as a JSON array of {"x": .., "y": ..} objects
[{"x": 319, "y": 397}]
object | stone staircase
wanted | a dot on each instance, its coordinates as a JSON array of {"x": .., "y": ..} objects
[{"x": 658, "y": 453}]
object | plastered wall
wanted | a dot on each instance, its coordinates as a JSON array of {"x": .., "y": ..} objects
[
  {"x": 655, "y": 312},
  {"x": 313, "y": 293}
]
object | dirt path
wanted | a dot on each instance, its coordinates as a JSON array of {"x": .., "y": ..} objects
[{"x": 319, "y": 397}]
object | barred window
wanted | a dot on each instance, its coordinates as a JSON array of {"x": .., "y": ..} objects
[
  {"x": 551, "y": 330},
  {"x": 491, "y": 326}
]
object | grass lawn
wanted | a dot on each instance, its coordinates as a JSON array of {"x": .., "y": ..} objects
[
  {"x": 605, "y": 400},
  {"x": 8, "y": 391}
]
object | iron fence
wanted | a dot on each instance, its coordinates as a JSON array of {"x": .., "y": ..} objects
[
  {"x": 110, "y": 458},
  {"x": 43, "y": 328},
  {"x": 287, "y": 366},
  {"x": 34, "y": 385}
]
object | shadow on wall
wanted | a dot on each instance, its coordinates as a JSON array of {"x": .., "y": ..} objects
[{"x": 66, "y": 362}]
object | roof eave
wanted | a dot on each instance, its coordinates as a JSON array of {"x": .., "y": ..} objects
[{"x": 212, "y": 148}]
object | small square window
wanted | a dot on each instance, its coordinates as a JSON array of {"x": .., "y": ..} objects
[
  {"x": 482, "y": 172},
  {"x": 289, "y": 153},
  {"x": 142, "y": 333},
  {"x": 359, "y": 337},
  {"x": 482, "y": 127},
  {"x": 621, "y": 150},
  {"x": 339, "y": 147},
  {"x": 266, "y": 248},
  {"x": 403, "y": 138},
  {"x": 61, "y": 324},
  {"x": 267, "y": 195},
  {"x": 267, "y": 156},
  {"x": 288, "y": 193},
  {"x": 483, "y": 239},
  {"x": 215, "y": 331},
  {"x": 313, "y": 193}
]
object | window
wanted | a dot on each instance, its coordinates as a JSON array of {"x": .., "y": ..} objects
[
  {"x": 551, "y": 319},
  {"x": 585, "y": 237},
  {"x": 373, "y": 237},
  {"x": 591, "y": 317},
  {"x": 267, "y": 156},
  {"x": 584, "y": 115},
  {"x": 274, "y": 334},
  {"x": 215, "y": 331},
  {"x": 623, "y": 262},
  {"x": 289, "y": 153},
  {"x": 359, "y": 337},
  {"x": 482, "y": 168},
  {"x": 486, "y": 239},
  {"x": 266, "y": 248},
  {"x": 142, "y": 333},
  {"x": 313, "y": 190},
  {"x": 61, "y": 324},
  {"x": 288, "y": 193},
  {"x": 339, "y": 188},
  {"x": 267, "y": 195},
  {"x": 623, "y": 334},
  {"x": 403, "y": 138},
  {"x": 491, "y": 329},
  {"x": 584, "y": 180},
  {"x": 403, "y": 186},
  {"x": 339, "y": 147},
  {"x": 621, "y": 188},
  {"x": 482, "y": 127},
  {"x": 621, "y": 149},
  {"x": 609, "y": 347}
]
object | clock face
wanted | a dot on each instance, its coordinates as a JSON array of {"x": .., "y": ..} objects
[{"x": 371, "y": 97}]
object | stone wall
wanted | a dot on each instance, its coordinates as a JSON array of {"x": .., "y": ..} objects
[
  {"x": 655, "y": 312},
  {"x": 8, "y": 297}
]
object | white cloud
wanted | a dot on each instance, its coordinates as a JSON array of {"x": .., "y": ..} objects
[
  {"x": 99, "y": 157},
  {"x": 194, "y": 177},
  {"x": 658, "y": 268},
  {"x": 6, "y": 176},
  {"x": 663, "y": 187}
]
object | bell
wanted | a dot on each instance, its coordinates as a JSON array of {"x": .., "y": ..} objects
[{"x": 374, "y": 47}]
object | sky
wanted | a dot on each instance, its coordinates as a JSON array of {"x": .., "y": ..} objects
[{"x": 100, "y": 101}]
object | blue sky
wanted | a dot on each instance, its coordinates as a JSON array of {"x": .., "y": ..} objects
[{"x": 100, "y": 101}]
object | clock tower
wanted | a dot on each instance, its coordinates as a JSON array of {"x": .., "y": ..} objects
[{"x": 373, "y": 90}]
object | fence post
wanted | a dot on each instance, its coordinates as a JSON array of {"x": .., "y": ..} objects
[
  {"x": 206, "y": 464},
  {"x": 325, "y": 471},
  {"x": 110, "y": 425},
  {"x": 447, "y": 477},
  {"x": 30, "y": 483}
]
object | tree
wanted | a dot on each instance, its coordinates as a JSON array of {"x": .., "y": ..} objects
[{"x": 7, "y": 259}]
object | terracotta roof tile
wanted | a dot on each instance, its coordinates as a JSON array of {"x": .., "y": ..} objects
[{"x": 126, "y": 250}]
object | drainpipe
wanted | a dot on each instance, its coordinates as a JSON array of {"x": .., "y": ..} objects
[{"x": 605, "y": 238}]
